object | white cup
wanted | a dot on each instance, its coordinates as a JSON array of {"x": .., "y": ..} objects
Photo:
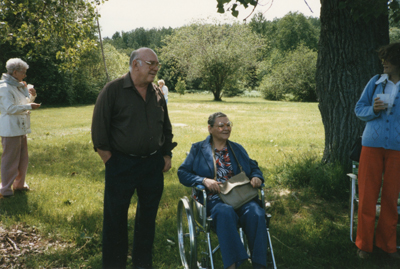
[
  {"x": 384, "y": 97},
  {"x": 30, "y": 86}
]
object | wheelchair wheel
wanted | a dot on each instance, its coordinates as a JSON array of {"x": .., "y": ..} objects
[{"x": 186, "y": 235}]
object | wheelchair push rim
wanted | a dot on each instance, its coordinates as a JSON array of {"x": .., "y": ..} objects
[{"x": 186, "y": 235}]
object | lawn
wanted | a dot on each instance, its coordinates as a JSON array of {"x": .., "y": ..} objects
[{"x": 62, "y": 214}]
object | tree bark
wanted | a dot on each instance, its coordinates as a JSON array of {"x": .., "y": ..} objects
[{"x": 347, "y": 60}]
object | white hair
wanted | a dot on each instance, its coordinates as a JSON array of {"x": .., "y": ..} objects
[
  {"x": 15, "y": 64},
  {"x": 161, "y": 81}
]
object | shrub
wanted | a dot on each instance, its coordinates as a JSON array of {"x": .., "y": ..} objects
[
  {"x": 233, "y": 87},
  {"x": 307, "y": 170},
  {"x": 180, "y": 86},
  {"x": 294, "y": 76}
]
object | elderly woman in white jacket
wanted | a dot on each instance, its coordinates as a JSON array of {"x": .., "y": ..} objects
[{"x": 16, "y": 101}]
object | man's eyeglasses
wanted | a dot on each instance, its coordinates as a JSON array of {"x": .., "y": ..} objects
[
  {"x": 152, "y": 64},
  {"x": 221, "y": 124}
]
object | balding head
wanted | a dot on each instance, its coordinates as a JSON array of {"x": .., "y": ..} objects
[
  {"x": 136, "y": 54},
  {"x": 143, "y": 66}
]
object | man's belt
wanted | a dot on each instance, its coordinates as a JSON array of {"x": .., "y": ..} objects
[{"x": 143, "y": 157}]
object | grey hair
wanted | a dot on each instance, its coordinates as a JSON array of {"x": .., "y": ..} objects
[
  {"x": 135, "y": 55},
  {"x": 212, "y": 117},
  {"x": 161, "y": 81},
  {"x": 15, "y": 64}
]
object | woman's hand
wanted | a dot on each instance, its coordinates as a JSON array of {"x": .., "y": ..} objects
[
  {"x": 32, "y": 91},
  {"x": 256, "y": 182},
  {"x": 34, "y": 105},
  {"x": 212, "y": 185},
  {"x": 379, "y": 105}
]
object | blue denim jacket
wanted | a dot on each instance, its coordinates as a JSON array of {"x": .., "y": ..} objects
[
  {"x": 382, "y": 130},
  {"x": 199, "y": 164}
]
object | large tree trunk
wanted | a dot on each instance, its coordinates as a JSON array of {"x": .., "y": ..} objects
[{"x": 347, "y": 59}]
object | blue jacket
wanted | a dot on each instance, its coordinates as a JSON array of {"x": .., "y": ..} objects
[
  {"x": 199, "y": 164},
  {"x": 382, "y": 129}
]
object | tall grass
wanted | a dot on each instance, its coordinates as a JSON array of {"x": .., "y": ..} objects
[{"x": 67, "y": 182}]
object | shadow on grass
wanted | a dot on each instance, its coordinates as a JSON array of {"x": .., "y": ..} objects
[
  {"x": 45, "y": 107},
  {"x": 16, "y": 205},
  {"x": 308, "y": 233},
  {"x": 73, "y": 241},
  {"x": 224, "y": 101},
  {"x": 71, "y": 158}
]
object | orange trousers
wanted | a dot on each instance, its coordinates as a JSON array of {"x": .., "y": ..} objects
[{"x": 373, "y": 163}]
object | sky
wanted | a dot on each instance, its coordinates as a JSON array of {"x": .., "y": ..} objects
[{"x": 126, "y": 15}]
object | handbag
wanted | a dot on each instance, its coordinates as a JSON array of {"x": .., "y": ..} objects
[
  {"x": 237, "y": 190},
  {"x": 356, "y": 150}
]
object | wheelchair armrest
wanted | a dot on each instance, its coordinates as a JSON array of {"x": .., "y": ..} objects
[
  {"x": 352, "y": 176},
  {"x": 200, "y": 187}
]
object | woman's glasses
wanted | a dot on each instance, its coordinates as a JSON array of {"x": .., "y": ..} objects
[{"x": 221, "y": 125}]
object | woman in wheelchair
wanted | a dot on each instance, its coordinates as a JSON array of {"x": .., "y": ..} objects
[
  {"x": 198, "y": 169},
  {"x": 380, "y": 154}
]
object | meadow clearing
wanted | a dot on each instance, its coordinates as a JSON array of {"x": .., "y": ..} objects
[{"x": 64, "y": 207}]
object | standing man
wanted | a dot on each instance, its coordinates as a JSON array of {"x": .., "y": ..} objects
[{"x": 132, "y": 133}]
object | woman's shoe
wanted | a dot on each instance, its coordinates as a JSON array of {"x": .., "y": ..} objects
[
  {"x": 362, "y": 254},
  {"x": 394, "y": 255},
  {"x": 23, "y": 189}
]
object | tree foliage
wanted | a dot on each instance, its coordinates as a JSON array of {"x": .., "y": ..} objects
[
  {"x": 180, "y": 86},
  {"x": 128, "y": 41},
  {"x": 57, "y": 38},
  {"x": 288, "y": 32},
  {"x": 351, "y": 32},
  {"x": 34, "y": 24},
  {"x": 294, "y": 29},
  {"x": 117, "y": 63},
  {"x": 293, "y": 78},
  {"x": 217, "y": 54}
]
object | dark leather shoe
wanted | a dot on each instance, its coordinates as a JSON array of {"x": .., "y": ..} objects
[
  {"x": 362, "y": 254},
  {"x": 394, "y": 255}
]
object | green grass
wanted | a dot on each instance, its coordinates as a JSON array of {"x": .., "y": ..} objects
[{"x": 66, "y": 178}]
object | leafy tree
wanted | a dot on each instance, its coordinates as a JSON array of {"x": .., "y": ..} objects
[
  {"x": 117, "y": 63},
  {"x": 180, "y": 86},
  {"x": 170, "y": 72},
  {"x": 294, "y": 29},
  {"x": 36, "y": 23},
  {"x": 57, "y": 38},
  {"x": 351, "y": 32},
  {"x": 126, "y": 42},
  {"x": 394, "y": 34},
  {"x": 294, "y": 76},
  {"x": 289, "y": 32},
  {"x": 218, "y": 54}
]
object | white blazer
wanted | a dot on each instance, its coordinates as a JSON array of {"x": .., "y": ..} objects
[{"x": 15, "y": 110}]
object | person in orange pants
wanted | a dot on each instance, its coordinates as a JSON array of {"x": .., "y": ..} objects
[
  {"x": 372, "y": 162},
  {"x": 379, "y": 106}
]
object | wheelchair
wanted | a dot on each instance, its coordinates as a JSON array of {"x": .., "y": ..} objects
[
  {"x": 354, "y": 200},
  {"x": 194, "y": 233}
]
